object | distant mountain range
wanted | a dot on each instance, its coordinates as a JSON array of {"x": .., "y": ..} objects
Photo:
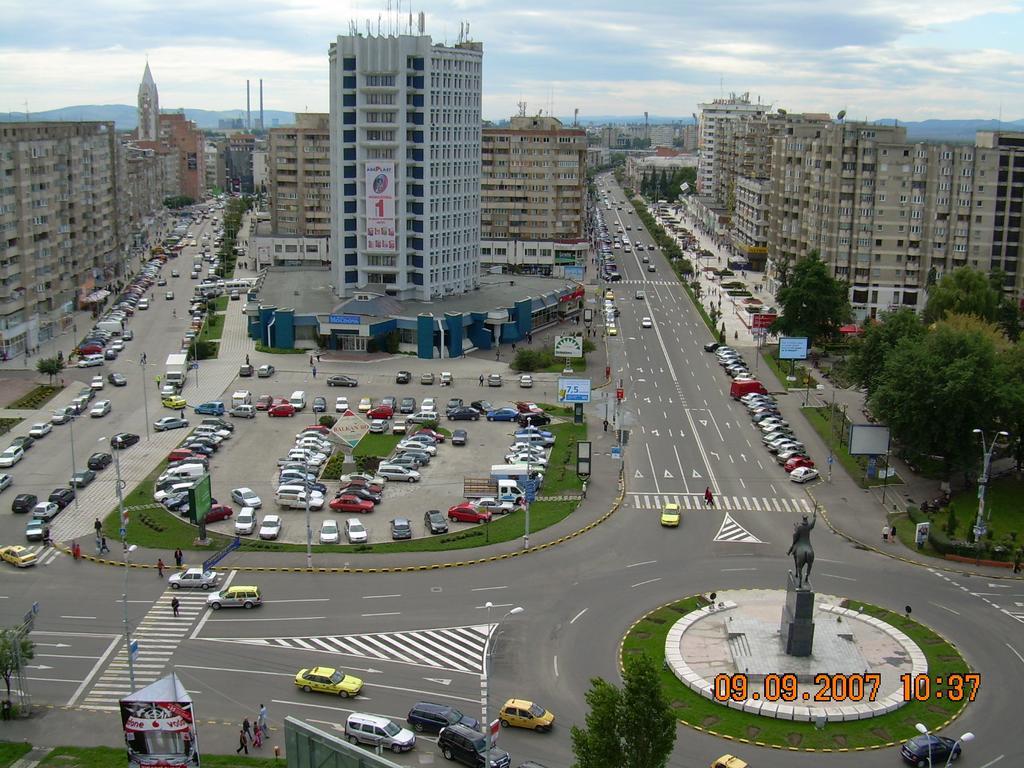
[{"x": 125, "y": 118}]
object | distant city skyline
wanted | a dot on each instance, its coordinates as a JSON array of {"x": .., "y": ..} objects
[{"x": 907, "y": 59}]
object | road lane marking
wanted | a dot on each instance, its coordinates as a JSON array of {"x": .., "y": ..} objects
[
  {"x": 378, "y": 597},
  {"x": 389, "y": 613},
  {"x": 833, "y": 576},
  {"x": 556, "y": 666},
  {"x": 485, "y": 589},
  {"x": 940, "y": 605},
  {"x": 87, "y": 618},
  {"x": 285, "y": 618},
  {"x": 573, "y": 619},
  {"x": 641, "y": 583},
  {"x": 92, "y": 672},
  {"x": 1015, "y": 653},
  {"x": 645, "y": 562}
]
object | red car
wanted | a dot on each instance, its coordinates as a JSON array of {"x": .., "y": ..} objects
[
  {"x": 318, "y": 428},
  {"x": 219, "y": 512},
  {"x": 798, "y": 461},
  {"x": 90, "y": 349},
  {"x": 264, "y": 402},
  {"x": 468, "y": 512},
  {"x": 523, "y": 407},
  {"x": 278, "y": 401},
  {"x": 180, "y": 454},
  {"x": 282, "y": 409},
  {"x": 381, "y": 412},
  {"x": 348, "y": 503},
  {"x": 438, "y": 437}
]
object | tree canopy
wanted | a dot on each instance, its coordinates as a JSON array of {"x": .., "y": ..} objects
[
  {"x": 814, "y": 304},
  {"x": 869, "y": 353},
  {"x": 964, "y": 291},
  {"x": 15, "y": 649},
  {"x": 631, "y": 727}
]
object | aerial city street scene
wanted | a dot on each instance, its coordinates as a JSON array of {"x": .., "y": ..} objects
[{"x": 511, "y": 385}]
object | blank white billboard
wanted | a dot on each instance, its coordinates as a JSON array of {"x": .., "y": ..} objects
[{"x": 869, "y": 440}]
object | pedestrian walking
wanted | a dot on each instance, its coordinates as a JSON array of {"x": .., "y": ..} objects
[
  {"x": 481, "y": 384},
  {"x": 310, "y": 359},
  {"x": 160, "y": 567},
  {"x": 257, "y": 737},
  {"x": 181, "y": 413},
  {"x": 179, "y": 557},
  {"x": 314, "y": 371},
  {"x": 885, "y": 532},
  {"x": 892, "y": 535},
  {"x": 246, "y": 728},
  {"x": 261, "y": 721},
  {"x": 243, "y": 743},
  {"x": 247, "y": 360},
  {"x": 175, "y": 605},
  {"x": 98, "y": 526},
  {"x": 584, "y": 489},
  {"x": 709, "y": 499},
  {"x": 529, "y": 338},
  {"x": 1016, "y": 562},
  {"x": 7, "y": 709},
  {"x": 103, "y": 545},
  {"x": 513, "y": 346}
]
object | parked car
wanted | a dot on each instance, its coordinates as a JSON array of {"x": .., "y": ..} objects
[
  {"x": 803, "y": 474},
  {"x": 62, "y": 497},
  {"x": 265, "y": 371},
  {"x": 124, "y": 440},
  {"x": 403, "y": 377},
  {"x": 319, "y": 405},
  {"x": 270, "y": 528},
  {"x": 329, "y": 532},
  {"x": 401, "y": 528},
  {"x": 459, "y": 437},
  {"x": 341, "y": 381},
  {"x": 468, "y": 512},
  {"x": 355, "y": 532},
  {"x": 117, "y": 379},
  {"x": 435, "y": 521}
]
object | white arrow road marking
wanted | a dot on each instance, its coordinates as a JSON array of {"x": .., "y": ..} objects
[
  {"x": 695, "y": 474},
  {"x": 667, "y": 475},
  {"x": 439, "y": 680},
  {"x": 637, "y": 475}
]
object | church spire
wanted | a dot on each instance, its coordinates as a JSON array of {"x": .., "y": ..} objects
[{"x": 149, "y": 108}]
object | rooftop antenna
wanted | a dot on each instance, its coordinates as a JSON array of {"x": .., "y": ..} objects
[
  {"x": 576, "y": 118},
  {"x": 28, "y": 117},
  {"x": 522, "y": 108}
]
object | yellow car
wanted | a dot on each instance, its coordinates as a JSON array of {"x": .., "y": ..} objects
[
  {"x": 365, "y": 404},
  {"x": 177, "y": 402},
  {"x": 23, "y": 557},
  {"x": 610, "y": 294},
  {"x": 613, "y": 331},
  {"x": 520, "y": 713},
  {"x": 328, "y": 680},
  {"x": 728, "y": 761},
  {"x": 670, "y": 516}
]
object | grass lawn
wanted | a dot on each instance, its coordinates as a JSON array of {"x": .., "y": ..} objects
[
  {"x": 105, "y": 757},
  {"x": 9, "y": 752},
  {"x": 213, "y": 328},
  {"x": 6, "y": 425},
  {"x": 561, "y": 476},
  {"x": 376, "y": 445},
  {"x": 781, "y": 369},
  {"x": 648, "y": 636},
  {"x": 220, "y": 304},
  {"x": 855, "y": 466},
  {"x": 578, "y": 365},
  {"x": 1004, "y": 508},
  {"x": 278, "y": 351},
  {"x": 36, "y": 397}
]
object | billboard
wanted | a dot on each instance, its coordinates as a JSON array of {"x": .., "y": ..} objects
[
  {"x": 869, "y": 440},
  {"x": 793, "y": 348},
  {"x": 159, "y": 726},
  {"x": 573, "y": 390},
  {"x": 380, "y": 206},
  {"x": 568, "y": 346},
  {"x": 199, "y": 500}
]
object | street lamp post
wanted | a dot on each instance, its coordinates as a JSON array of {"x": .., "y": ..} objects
[
  {"x": 145, "y": 400},
  {"x": 979, "y": 524},
  {"x": 125, "y": 563},
  {"x": 309, "y": 526},
  {"x": 487, "y": 667},
  {"x": 962, "y": 740},
  {"x": 923, "y": 729},
  {"x": 71, "y": 424}
]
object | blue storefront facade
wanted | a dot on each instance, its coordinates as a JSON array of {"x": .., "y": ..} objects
[{"x": 355, "y": 328}]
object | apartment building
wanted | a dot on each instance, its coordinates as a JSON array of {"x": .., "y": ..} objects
[
  {"x": 533, "y": 189},
  {"x": 891, "y": 217},
  {"x": 59, "y": 239},
  {"x": 405, "y": 165},
  {"x": 714, "y": 165},
  {"x": 214, "y": 162},
  {"x": 238, "y": 162}
]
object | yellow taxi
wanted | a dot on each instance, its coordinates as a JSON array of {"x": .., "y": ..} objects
[
  {"x": 174, "y": 401},
  {"x": 610, "y": 294},
  {"x": 670, "y": 516},
  {"x": 520, "y": 713},
  {"x": 728, "y": 761},
  {"x": 328, "y": 680},
  {"x": 17, "y": 555},
  {"x": 613, "y": 330}
]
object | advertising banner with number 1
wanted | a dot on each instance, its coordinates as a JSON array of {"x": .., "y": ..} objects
[{"x": 380, "y": 207}]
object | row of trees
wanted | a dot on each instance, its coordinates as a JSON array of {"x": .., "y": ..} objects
[{"x": 662, "y": 185}]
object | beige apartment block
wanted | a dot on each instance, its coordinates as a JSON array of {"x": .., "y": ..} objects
[
  {"x": 714, "y": 147},
  {"x": 533, "y": 195},
  {"x": 59, "y": 237},
  {"x": 299, "y": 176}
]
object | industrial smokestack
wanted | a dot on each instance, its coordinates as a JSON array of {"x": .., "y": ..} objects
[
  {"x": 248, "y": 110},
  {"x": 261, "y": 103}
]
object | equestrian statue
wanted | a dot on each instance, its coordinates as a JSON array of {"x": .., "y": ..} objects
[{"x": 802, "y": 551}]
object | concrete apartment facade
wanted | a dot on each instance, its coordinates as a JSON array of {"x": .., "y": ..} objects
[
  {"x": 59, "y": 240},
  {"x": 405, "y": 165},
  {"x": 714, "y": 164},
  {"x": 533, "y": 190}
]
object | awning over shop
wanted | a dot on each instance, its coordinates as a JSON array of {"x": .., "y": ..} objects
[{"x": 96, "y": 296}]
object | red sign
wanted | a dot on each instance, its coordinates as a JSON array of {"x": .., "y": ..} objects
[
  {"x": 620, "y": 394},
  {"x": 763, "y": 320}
]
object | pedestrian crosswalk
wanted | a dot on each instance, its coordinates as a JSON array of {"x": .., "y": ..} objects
[
  {"x": 723, "y": 502},
  {"x": 460, "y": 649},
  {"x": 158, "y": 635},
  {"x": 732, "y": 531},
  {"x": 645, "y": 282}
]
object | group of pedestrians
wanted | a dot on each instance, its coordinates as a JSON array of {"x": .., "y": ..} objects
[
  {"x": 889, "y": 533},
  {"x": 253, "y": 733}
]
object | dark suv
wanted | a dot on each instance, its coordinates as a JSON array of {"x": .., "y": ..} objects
[
  {"x": 426, "y": 716},
  {"x": 469, "y": 747},
  {"x": 435, "y": 522},
  {"x": 24, "y": 502}
]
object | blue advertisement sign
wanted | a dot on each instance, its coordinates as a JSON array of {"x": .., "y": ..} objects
[
  {"x": 531, "y": 490},
  {"x": 344, "y": 319},
  {"x": 793, "y": 348},
  {"x": 574, "y": 273}
]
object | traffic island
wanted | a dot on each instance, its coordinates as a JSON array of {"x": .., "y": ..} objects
[{"x": 723, "y": 708}]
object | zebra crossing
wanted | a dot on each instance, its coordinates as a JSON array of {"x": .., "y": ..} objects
[
  {"x": 695, "y": 501},
  {"x": 644, "y": 282},
  {"x": 158, "y": 634},
  {"x": 732, "y": 531},
  {"x": 459, "y": 649}
]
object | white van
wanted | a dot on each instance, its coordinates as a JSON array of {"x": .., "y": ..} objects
[
  {"x": 184, "y": 472},
  {"x": 294, "y": 497},
  {"x": 378, "y": 731},
  {"x": 241, "y": 397},
  {"x": 298, "y": 400}
]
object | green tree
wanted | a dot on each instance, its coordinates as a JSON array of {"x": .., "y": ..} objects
[
  {"x": 964, "y": 291},
  {"x": 814, "y": 303},
  {"x": 935, "y": 390},
  {"x": 628, "y": 728},
  {"x": 15, "y": 649},
  {"x": 50, "y": 366},
  {"x": 869, "y": 353},
  {"x": 1009, "y": 375}
]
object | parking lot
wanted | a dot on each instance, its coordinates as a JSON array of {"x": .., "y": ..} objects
[{"x": 249, "y": 457}]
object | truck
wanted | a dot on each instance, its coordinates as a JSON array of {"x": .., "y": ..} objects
[
  {"x": 175, "y": 369},
  {"x": 113, "y": 327},
  {"x": 502, "y": 490},
  {"x": 517, "y": 472}
]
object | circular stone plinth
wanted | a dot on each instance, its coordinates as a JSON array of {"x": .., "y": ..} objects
[{"x": 732, "y": 653}]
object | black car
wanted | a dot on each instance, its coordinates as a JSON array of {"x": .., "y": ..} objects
[
  {"x": 124, "y": 440},
  {"x": 62, "y": 496},
  {"x": 319, "y": 405},
  {"x": 435, "y": 521},
  {"x": 82, "y": 478},
  {"x": 483, "y": 406},
  {"x": 177, "y": 502},
  {"x": 928, "y": 749},
  {"x": 430, "y": 717},
  {"x": 534, "y": 419},
  {"x": 408, "y": 405},
  {"x": 341, "y": 381},
  {"x": 711, "y": 346},
  {"x": 459, "y": 437},
  {"x": 403, "y": 377},
  {"x": 469, "y": 747},
  {"x": 24, "y": 502},
  {"x": 401, "y": 528},
  {"x": 359, "y": 492},
  {"x": 245, "y": 371},
  {"x": 99, "y": 461},
  {"x": 198, "y": 447},
  {"x": 463, "y": 413},
  {"x": 24, "y": 442}
]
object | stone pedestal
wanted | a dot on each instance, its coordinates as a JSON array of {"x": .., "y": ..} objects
[{"x": 797, "y": 629}]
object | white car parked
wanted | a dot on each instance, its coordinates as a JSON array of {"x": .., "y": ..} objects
[
  {"x": 270, "y": 528},
  {"x": 329, "y": 533}
]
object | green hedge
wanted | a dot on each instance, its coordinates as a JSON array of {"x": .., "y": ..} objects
[{"x": 35, "y": 398}]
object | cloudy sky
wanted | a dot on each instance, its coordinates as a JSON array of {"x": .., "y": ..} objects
[{"x": 911, "y": 59}]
